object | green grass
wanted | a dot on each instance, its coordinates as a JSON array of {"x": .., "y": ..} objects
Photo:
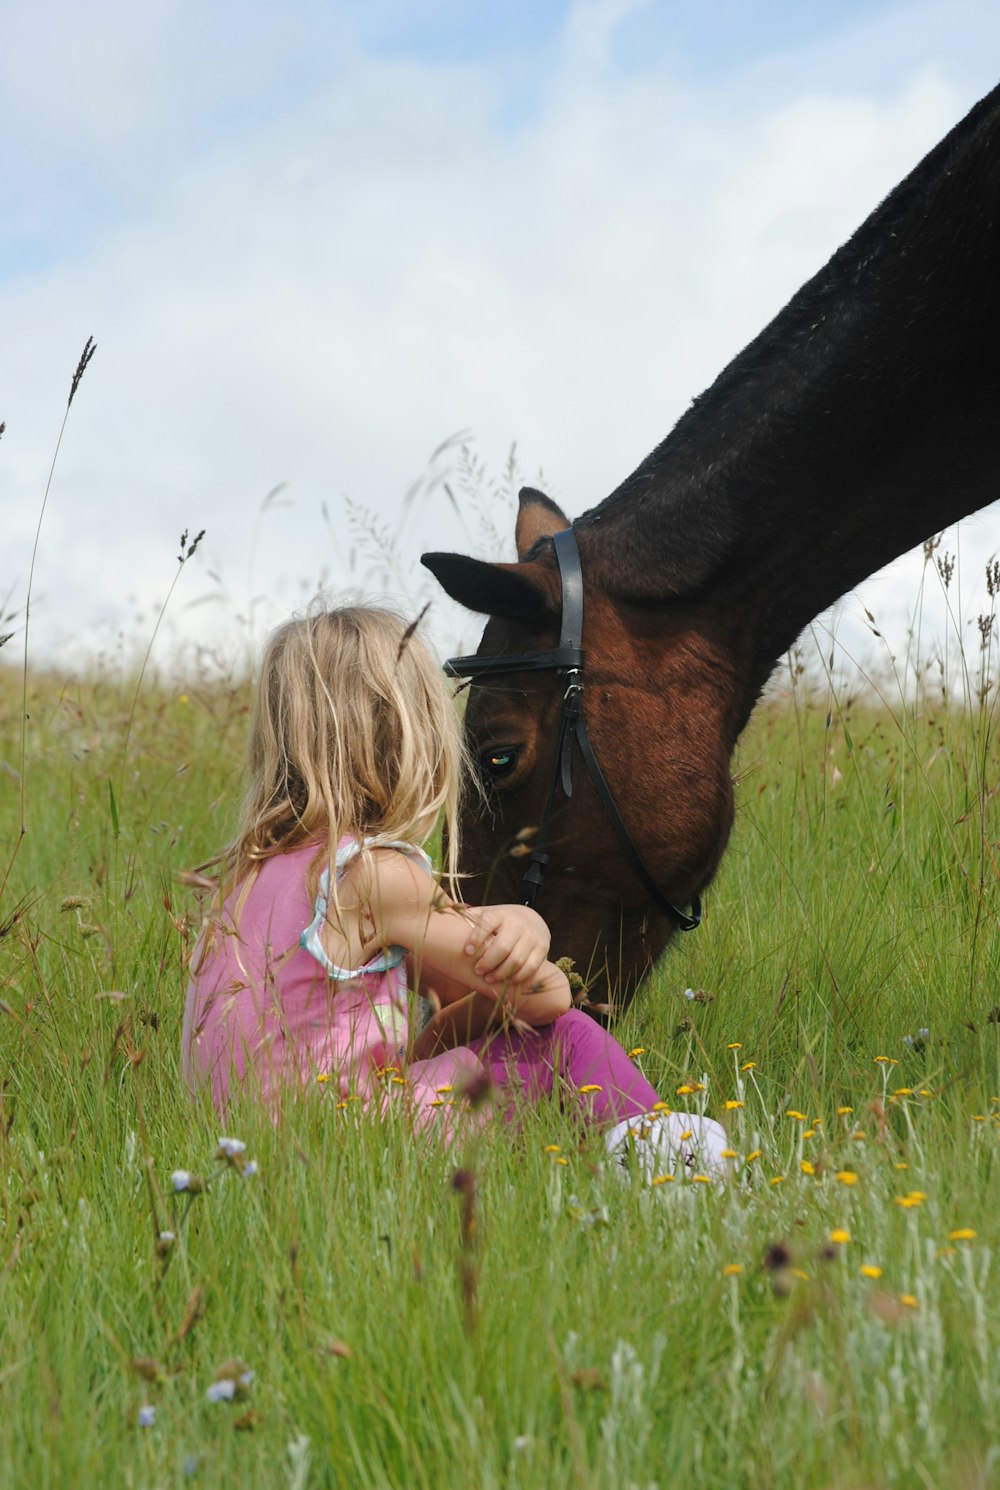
[{"x": 583, "y": 1332}]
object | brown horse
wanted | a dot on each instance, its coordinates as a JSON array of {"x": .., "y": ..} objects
[{"x": 862, "y": 419}]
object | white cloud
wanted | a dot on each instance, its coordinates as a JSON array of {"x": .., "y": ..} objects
[{"x": 321, "y": 293}]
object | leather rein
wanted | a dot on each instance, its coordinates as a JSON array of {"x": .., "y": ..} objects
[{"x": 568, "y": 660}]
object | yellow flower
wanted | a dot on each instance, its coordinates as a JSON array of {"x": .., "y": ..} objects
[
  {"x": 749, "y": 1066},
  {"x": 799, "y": 1116},
  {"x": 661, "y": 1179},
  {"x": 900, "y": 1164},
  {"x": 799, "y": 1273},
  {"x": 182, "y": 698},
  {"x": 817, "y": 1122},
  {"x": 561, "y": 1160},
  {"x": 732, "y": 1269},
  {"x": 755, "y": 1155},
  {"x": 446, "y": 1088},
  {"x": 636, "y": 1050},
  {"x": 869, "y": 1270},
  {"x": 961, "y": 1234},
  {"x": 843, "y": 1111},
  {"x": 701, "y": 1179},
  {"x": 978, "y": 1117},
  {"x": 687, "y": 1135},
  {"x": 552, "y": 1148},
  {"x": 925, "y": 1091},
  {"x": 847, "y": 1177},
  {"x": 885, "y": 1060},
  {"x": 918, "y": 1195},
  {"x": 909, "y": 1300},
  {"x": 735, "y": 1045},
  {"x": 437, "y": 1102},
  {"x": 906, "y": 1201},
  {"x": 809, "y": 1133},
  {"x": 728, "y": 1154},
  {"x": 732, "y": 1105},
  {"x": 903, "y": 1091},
  {"x": 859, "y": 1136},
  {"x": 591, "y": 1086},
  {"x": 661, "y": 1107},
  {"x": 806, "y": 1167},
  {"x": 322, "y": 1076},
  {"x": 778, "y": 1179},
  {"x": 684, "y": 1090},
  {"x": 840, "y": 1235}
]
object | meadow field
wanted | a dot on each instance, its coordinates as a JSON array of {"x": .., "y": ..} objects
[{"x": 359, "y": 1308}]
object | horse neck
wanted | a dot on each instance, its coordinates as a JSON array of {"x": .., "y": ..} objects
[{"x": 861, "y": 420}]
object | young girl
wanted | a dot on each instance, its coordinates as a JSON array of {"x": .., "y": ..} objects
[{"x": 331, "y": 931}]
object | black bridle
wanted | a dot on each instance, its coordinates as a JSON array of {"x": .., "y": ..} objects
[{"x": 568, "y": 659}]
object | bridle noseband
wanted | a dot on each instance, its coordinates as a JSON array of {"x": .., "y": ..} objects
[{"x": 568, "y": 659}]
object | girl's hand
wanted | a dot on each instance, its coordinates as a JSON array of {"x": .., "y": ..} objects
[{"x": 507, "y": 943}]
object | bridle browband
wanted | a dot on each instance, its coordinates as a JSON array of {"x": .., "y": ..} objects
[{"x": 568, "y": 659}]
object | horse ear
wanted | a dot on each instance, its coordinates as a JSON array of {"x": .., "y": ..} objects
[
  {"x": 518, "y": 592},
  {"x": 537, "y": 517}
]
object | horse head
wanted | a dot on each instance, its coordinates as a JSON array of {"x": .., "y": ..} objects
[{"x": 656, "y": 699}]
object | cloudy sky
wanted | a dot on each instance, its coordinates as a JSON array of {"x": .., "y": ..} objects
[{"x": 316, "y": 241}]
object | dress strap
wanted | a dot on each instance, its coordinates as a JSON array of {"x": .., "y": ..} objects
[{"x": 311, "y": 939}]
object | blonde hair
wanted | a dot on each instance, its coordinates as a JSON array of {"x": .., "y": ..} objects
[{"x": 354, "y": 732}]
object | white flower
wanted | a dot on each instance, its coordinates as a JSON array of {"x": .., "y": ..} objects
[
  {"x": 221, "y": 1391},
  {"x": 249, "y": 1169},
  {"x": 689, "y": 993},
  {"x": 167, "y": 1238},
  {"x": 245, "y": 1378},
  {"x": 147, "y": 1417},
  {"x": 180, "y": 1179},
  {"x": 232, "y": 1147}
]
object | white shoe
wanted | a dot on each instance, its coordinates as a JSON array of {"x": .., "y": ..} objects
[{"x": 665, "y": 1142}]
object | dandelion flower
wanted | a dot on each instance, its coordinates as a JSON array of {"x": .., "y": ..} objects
[
  {"x": 732, "y": 1105},
  {"x": 844, "y": 1111},
  {"x": 732, "y": 1270},
  {"x": 885, "y": 1060},
  {"x": 662, "y": 1107},
  {"x": 778, "y": 1179},
  {"x": 322, "y": 1077},
  {"x": 799, "y": 1117},
  {"x": 685, "y": 1090},
  {"x": 840, "y": 1235},
  {"x": 909, "y": 1300},
  {"x": 847, "y": 1176},
  {"x": 755, "y": 1155},
  {"x": 701, "y": 1179},
  {"x": 552, "y": 1148},
  {"x": 806, "y": 1167},
  {"x": 661, "y": 1179},
  {"x": 441, "y": 1090},
  {"x": 749, "y": 1066},
  {"x": 590, "y": 1086},
  {"x": 561, "y": 1160},
  {"x": 870, "y": 1270},
  {"x": 809, "y": 1133},
  {"x": 636, "y": 1051},
  {"x": 686, "y": 1135},
  {"x": 728, "y": 1154},
  {"x": 961, "y": 1234},
  {"x": 735, "y": 1045}
]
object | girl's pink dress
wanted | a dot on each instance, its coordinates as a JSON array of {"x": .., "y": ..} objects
[{"x": 267, "y": 1010}]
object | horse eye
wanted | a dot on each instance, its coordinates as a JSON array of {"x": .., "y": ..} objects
[{"x": 496, "y": 764}]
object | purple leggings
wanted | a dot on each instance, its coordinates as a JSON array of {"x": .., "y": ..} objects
[{"x": 576, "y": 1052}]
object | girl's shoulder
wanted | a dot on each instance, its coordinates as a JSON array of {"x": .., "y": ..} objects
[{"x": 349, "y": 848}]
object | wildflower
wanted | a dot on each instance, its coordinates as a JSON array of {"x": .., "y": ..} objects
[
  {"x": 777, "y": 1179},
  {"x": 590, "y": 1086},
  {"x": 231, "y": 1381},
  {"x": 732, "y": 1270},
  {"x": 701, "y": 1179},
  {"x": 231, "y": 1148},
  {"x": 755, "y": 1155},
  {"x": 147, "y": 1416},
  {"x": 221, "y": 1391},
  {"x": 799, "y": 1117},
  {"x": 961, "y": 1234},
  {"x": 685, "y": 1090},
  {"x": 164, "y": 1243},
  {"x": 978, "y": 1117},
  {"x": 552, "y": 1148},
  {"x": 859, "y": 1136},
  {"x": 661, "y": 1107},
  {"x": 885, "y": 1060},
  {"x": 689, "y": 1133},
  {"x": 732, "y": 1105},
  {"x": 735, "y": 1045},
  {"x": 688, "y": 993},
  {"x": 809, "y": 1133},
  {"x": 561, "y": 1160},
  {"x": 909, "y": 1300},
  {"x": 661, "y": 1179},
  {"x": 924, "y": 1034},
  {"x": 847, "y": 1176},
  {"x": 870, "y": 1270},
  {"x": 441, "y": 1090},
  {"x": 840, "y": 1235},
  {"x": 799, "y": 1273},
  {"x": 900, "y": 1164},
  {"x": 903, "y": 1091},
  {"x": 249, "y": 1169},
  {"x": 636, "y": 1051},
  {"x": 907, "y": 1202},
  {"x": 728, "y": 1154},
  {"x": 182, "y": 1179},
  {"x": 806, "y": 1167},
  {"x": 749, "y": 1066},
  {"x": 844, "y": 1111},
  {"x": 322, "y": 1077}
]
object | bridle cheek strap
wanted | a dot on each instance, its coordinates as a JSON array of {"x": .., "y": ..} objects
[{"x": 568, "y": 659}]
